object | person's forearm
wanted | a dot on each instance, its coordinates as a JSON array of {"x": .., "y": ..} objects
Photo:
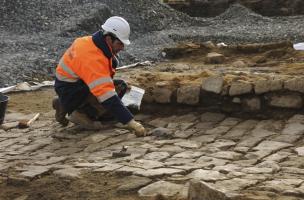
[{"x": 117, "y": 109}]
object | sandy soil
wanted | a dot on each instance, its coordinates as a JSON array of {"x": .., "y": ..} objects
[{"x": 31, "y": 102}]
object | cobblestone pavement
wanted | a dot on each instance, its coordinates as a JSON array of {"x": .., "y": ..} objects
[{"x": 229, "y": 157}]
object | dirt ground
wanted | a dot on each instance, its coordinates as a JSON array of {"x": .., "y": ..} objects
[
  {"x": 31, "y": 102},
  {"x": 89, "y": 187}
]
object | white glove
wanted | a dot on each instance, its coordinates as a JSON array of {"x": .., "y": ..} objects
[{"x": 137, "y": 127}]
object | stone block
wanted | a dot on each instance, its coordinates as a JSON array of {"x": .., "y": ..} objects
[
  {"x": 188, "y": 95},
  {"x": 236, "y": 100},
  {"x": 239, "y": 64},
  {"x": 271, "y": 146},
  {"x": 294, "y": 128},
  {"x": 161, "y": 132},
  {"x": 200, "y": 190},
  {"x": 300, "y": 151},
  {"x": 162, "y": 95},
  {"x": 215, "y": 58},
  {"x": 296, "y": 84},
  {"x": 286, "y": 101},
  {"x": 188, "y": 144},
  {"x": 163, "y": 190},
  {"x": 158, "y": 172},
  {"x": 68, "y": 173},
  {"x": 239, "y": 88},
  {"x": 251, "y": 104},
  {"x": 229, "y": 155},
  {"x": 34, "y": 171},
  {"x": 213, "y": 84},
  {"x": 133, "y": 183},
  {"x": 156, "y": 156},
  {"x": 206, "y": 175},
  {"x": 263, "y": 86},
  {"x": 212, "y": 117},
  {"x": 209, "y": 44}
]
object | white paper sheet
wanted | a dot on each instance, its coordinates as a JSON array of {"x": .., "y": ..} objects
[{"x": 134, "y": 97}]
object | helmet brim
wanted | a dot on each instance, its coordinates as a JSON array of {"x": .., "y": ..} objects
[{"x": 124, "y": 41}]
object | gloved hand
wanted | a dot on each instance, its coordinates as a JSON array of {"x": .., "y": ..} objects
[{"x": 140, "y": 131}]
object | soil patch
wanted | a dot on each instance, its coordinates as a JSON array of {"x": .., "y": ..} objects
[
  {"x": 31, "y": 102},
  {"x": 90, "y": 186}
]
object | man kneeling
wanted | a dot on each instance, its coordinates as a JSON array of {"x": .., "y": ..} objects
[{"x": 84, "y": 79}]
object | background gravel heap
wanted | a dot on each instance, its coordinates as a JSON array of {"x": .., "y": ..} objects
[{"x": 34, "y": 34}]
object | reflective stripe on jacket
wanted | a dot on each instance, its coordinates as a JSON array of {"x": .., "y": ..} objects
[{"x": 87, "y": 61}]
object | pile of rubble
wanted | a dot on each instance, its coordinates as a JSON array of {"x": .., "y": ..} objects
[
  {"x": 36, "y": 34},
  {"x": 203, "y": 8}
]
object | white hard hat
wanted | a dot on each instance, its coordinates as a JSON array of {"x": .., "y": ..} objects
[{"x": 119, "y": 27}]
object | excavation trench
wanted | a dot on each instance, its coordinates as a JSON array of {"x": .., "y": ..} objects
[{"x": 201, "y": 106}]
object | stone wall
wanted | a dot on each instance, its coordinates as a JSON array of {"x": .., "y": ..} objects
[{"x": 256, "y": 97}]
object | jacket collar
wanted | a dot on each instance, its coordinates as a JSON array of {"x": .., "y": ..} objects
[{"x": 100, "y": 42}]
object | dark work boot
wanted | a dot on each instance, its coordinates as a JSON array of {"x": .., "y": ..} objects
[{"x": 60, "y": 113}]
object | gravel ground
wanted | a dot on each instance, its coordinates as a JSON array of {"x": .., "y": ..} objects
[{"x": 34, "y": 34}]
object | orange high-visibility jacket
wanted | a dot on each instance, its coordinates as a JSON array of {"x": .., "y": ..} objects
[{"x": 85, "y": 61}]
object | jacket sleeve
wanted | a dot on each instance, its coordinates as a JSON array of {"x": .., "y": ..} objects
[{"x": 115, "y": 106}]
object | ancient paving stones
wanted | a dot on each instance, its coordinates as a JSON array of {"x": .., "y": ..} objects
[{"x": 230, "y": 156}]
